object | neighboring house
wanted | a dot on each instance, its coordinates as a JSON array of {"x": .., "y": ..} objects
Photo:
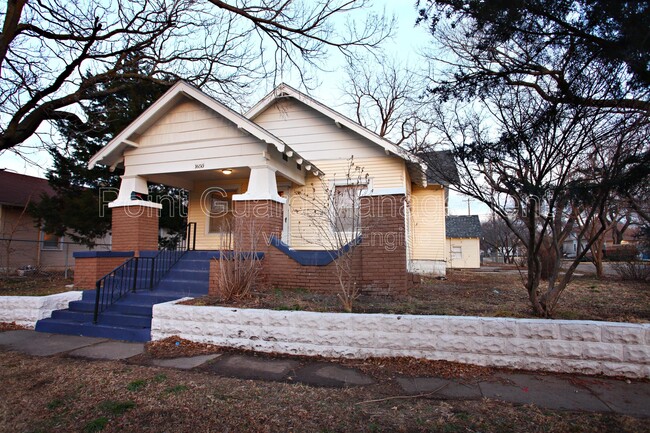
[
  {"x": 571, "y": 248},
  {"x": 273, "y": 155},
  {"x": 463, "y": 241},
  {"x": 22, "y": 244}
]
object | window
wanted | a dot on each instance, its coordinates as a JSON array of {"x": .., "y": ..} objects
[
  {"x": 346, "y": 208},
  {"x": 456, "y": 252},
  {"x": 50, "y": 242},
  {"x": 221, "y": 217}
]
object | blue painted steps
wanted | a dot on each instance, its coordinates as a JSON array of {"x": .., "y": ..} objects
[{"x": 129, "y": 318}]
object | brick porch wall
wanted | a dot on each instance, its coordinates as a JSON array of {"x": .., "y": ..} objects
[
  {"x": 90, "y": 269},
  {"x": 379, "y": 262},
  {"x": 135, "y": 228}
]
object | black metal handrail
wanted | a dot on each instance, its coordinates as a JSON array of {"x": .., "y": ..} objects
[{"x": 142, "y": 272}]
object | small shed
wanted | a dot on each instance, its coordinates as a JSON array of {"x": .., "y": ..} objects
[{"x": 463, "y": 234}]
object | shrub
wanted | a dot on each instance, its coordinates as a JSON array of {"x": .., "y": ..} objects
[{"x": 633, "y": 270}]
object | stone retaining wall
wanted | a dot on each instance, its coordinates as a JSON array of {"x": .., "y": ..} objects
[
  {"x": 27, "y": 310},
  {"x": 615, "y": 349}
]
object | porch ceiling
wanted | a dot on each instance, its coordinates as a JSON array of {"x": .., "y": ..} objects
[{"x": 186, "y": 180}]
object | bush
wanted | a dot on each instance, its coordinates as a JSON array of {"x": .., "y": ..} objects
[
  {"x": 633, "y": 270},
  {"x": 238, "y": 273}
]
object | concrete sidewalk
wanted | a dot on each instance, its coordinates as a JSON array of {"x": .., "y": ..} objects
[{"x": 576, "y": 393}]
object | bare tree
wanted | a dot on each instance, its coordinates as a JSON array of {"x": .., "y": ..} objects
[
  {"x": 498, "y": 237},
  {"x": 533, "y": 161},
  {"x": 54, "y": 54},
  {"x": 331, "y": 219},
  {"x": 387, "y": 98},
  {"x": 618, "y": 217}
]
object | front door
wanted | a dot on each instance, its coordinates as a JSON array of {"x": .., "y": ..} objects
[{"x": 284, "y": 191}]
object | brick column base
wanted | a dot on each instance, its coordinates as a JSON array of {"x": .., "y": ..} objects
[
  {"x": 383, "y": 245},
  {"x": 135, "y": 228},
  {"x": 256, "y": 221}
]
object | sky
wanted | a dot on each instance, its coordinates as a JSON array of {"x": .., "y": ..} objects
[{"x": 405, "y": 46}]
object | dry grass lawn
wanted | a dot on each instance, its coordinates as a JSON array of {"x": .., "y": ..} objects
[
  {"x": 470, "y": 293},
  {"x": 34, "y": 285},
  {"x": 68, "y": 395}
]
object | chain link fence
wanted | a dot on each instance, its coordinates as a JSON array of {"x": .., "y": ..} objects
[{"x": 38, "y": 258}]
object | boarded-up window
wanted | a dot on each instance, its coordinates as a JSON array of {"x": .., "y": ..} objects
[
  {"x": 346, "y": 208},
  {"x": 456, "y": 252}
]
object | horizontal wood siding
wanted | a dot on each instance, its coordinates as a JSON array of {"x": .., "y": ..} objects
[
  {"x": 193, "y": 134},
  {"x": 315, "y": 136},
  {"x": 470, "y": 253},
  {"x": 427, "y": 210},
  {"x": 384, "y": 172}
]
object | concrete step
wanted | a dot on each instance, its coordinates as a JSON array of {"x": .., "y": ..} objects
[
  {"x": 106, "y": 318},
  {"x": 88, "y": 329}
]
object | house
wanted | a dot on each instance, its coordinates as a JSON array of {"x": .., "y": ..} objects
[
  {"x": 260, "y": 167},
  {"x": 22, "y": 244},
  {"x": 628, "y": 241},
  {"x": 463, "y": 241}
]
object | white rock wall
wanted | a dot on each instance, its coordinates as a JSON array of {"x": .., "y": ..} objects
[
  {"x": 532, "y": 344},
  {"x": 27, "y": 310}
]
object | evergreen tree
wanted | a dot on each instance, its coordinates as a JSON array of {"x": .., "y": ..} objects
[{"x": 80, "y": 206}]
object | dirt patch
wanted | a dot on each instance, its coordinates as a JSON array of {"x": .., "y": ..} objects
[
  {"x": 13, "y": 326},
  {"x": 177, "y": 347},
  {"x": 467, "y": 293},
  {"x": 64, "y": 394},
  {"x": 35, "y": 285}
]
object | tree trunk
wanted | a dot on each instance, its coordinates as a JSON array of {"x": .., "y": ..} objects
[{"x": 597, "y": 253}]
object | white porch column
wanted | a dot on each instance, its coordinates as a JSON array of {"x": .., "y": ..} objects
[
  {"x": 261, "y": 186},
  {"x": 129, "y": 185}
]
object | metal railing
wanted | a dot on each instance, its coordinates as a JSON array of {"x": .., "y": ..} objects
[{"x": 142, "y": 273}]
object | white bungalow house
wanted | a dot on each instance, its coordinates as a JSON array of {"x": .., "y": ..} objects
[{"x": 287, "y": 145}]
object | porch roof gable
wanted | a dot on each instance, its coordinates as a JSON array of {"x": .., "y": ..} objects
[{"x": 111, "y": 154}]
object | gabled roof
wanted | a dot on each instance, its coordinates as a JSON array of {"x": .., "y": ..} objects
[
  {"x": 416, "y": 166},
  {"x": 463, "y": 226},
  {"x": 112, "y": 152},
  {"x": 19, "y": 189},
  {"x": 441, "y": 167}
]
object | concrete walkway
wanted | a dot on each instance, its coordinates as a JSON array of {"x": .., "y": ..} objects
[{"x": 564, "y": 392}]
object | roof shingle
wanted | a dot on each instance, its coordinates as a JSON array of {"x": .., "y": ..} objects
[
  {"x": 463, "y": 226},
  {"x": 19, "y": 189}
]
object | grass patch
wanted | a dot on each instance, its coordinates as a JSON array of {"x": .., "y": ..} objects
[
  {"x": 116, "y": 407},
  {"x": 55, "y": 404},
  {"x": 96, "y": 425},
  {"x": 159, "y": 378},
  {"x": 176, "y": 389},
  {"x": 136, "y": 385}
]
